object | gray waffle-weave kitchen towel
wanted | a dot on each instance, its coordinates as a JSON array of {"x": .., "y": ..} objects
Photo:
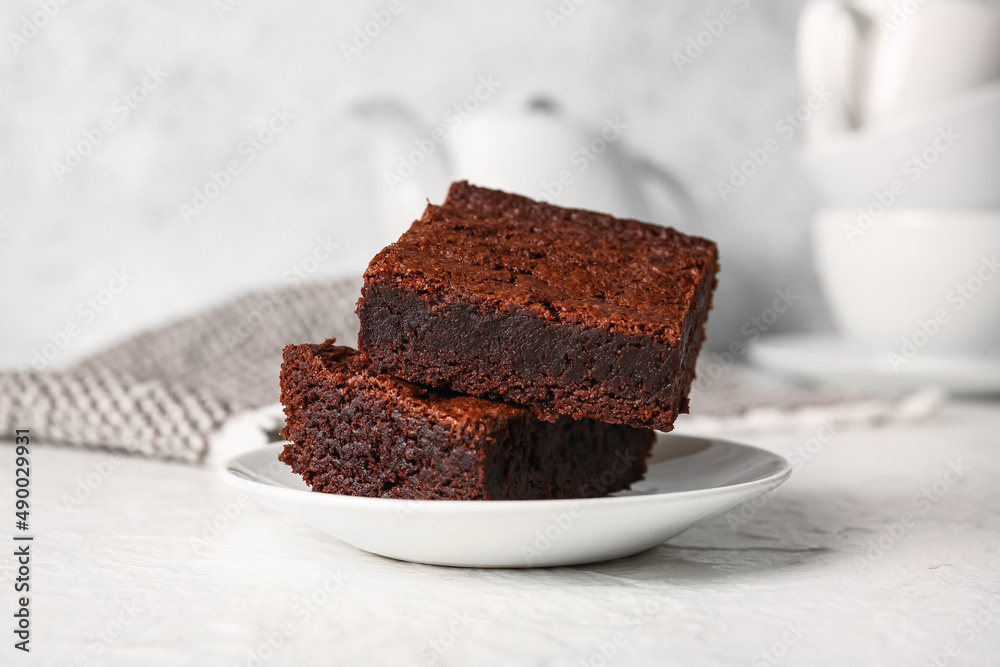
[{"x": 165, "y": 392}]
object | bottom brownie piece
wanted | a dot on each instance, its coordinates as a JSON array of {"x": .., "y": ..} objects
[{"x": 355, "y": 432}]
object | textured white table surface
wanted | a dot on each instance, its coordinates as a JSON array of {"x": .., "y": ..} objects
[{"x": 121, "y": 580}]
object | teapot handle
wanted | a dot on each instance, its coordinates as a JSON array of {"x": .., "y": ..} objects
[{"x": 675, "y": 191}]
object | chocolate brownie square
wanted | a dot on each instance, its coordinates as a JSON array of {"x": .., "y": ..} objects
[
  {"x": 567, "y": 311},
  {"x": 355, "y": 432}
]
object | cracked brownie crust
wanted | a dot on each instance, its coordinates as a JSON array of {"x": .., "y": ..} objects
[{"x": 567, "y": 311}]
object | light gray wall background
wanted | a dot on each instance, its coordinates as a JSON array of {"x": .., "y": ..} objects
[{"x": 63, "y": 240}]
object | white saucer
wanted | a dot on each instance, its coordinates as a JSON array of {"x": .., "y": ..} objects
[
  {"x": 830, "y": 358},
  {"x": 689, "y": 480}
]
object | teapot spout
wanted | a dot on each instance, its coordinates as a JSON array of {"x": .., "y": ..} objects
[{"x": 412, "y": 167}]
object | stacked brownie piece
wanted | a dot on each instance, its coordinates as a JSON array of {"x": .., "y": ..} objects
[{"x": 510, "y": 349}]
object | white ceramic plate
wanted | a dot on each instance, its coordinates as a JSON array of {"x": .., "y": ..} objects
[
  {"x": 830, "y": 358},
  {"x": 689, "y": 480}
]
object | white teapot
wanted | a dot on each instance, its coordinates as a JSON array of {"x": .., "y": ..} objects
[{"x": 536, "y": 153}]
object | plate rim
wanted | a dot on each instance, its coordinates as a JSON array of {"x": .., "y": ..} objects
[{"x": 334, "y": 500}]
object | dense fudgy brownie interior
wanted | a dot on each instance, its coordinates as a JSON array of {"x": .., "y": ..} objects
[{"x": 353, "y": 431}]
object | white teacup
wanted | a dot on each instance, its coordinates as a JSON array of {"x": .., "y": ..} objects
[
  {"x": 946, "y": 155},
  {"x": 913, "y": 279},
  {"x": 924, "y": 51}
]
